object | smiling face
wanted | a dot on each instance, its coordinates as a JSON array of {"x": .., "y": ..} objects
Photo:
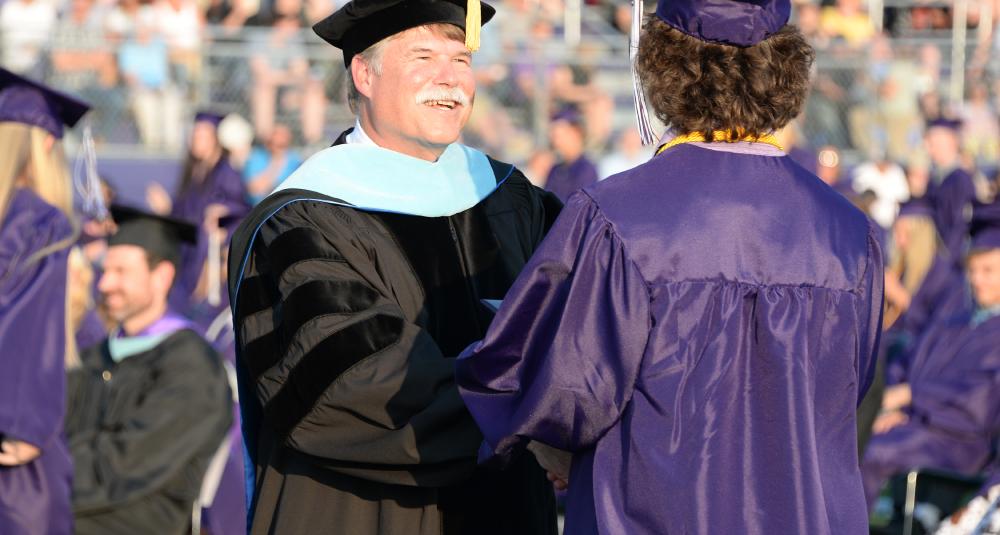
[
  {"x": 129, "y": 287},
  {"x": 984, "y": 277},
  {"x": 420, "y": 96}
]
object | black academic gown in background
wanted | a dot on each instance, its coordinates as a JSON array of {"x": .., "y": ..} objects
[
  {"x": 347, "y": 324},
  {"x": 142, "y": 433}
]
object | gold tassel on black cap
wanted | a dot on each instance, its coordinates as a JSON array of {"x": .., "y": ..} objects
[{"x": 473, "y": 24}]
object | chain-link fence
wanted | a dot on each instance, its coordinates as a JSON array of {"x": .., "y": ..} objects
[{"x": 867, "y": 100}]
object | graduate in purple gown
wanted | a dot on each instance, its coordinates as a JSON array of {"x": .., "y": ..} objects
[
  {"x": 946, "y": 411},
  {"x": 697, "y": 332},
  {"x": 226, "y": 511},
  {"x": 574, "y": 170},
  {"x": 35, "y": 238},
  {"x": 210, "y": 190},
  {"x": 953, "y": 190}
]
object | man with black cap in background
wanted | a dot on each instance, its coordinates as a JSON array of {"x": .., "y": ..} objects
[
  {"x": 356, "y": 283},
  {"x": 150, "y": 405}
]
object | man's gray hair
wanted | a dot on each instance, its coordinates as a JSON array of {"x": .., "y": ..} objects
[{"x": 372, "y": 57}]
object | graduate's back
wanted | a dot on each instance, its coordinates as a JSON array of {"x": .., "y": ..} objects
[{"x": 761, "y": 282}]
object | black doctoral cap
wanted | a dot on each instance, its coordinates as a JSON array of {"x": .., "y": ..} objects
[
  {"x": 160, "y": 236},
  {"x": 362, "y": 23}
]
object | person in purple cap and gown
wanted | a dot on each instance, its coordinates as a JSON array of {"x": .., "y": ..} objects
[
  {"x": 225, "y": 511},
  {"x": 698, "y": 331},
  {"x": 574, "y": 170},
  {"x": 150, "y": 405},
  {"x": 36, "y": 233},
  {"x": 952, "y": 189},
  {"x": 210, "y": 189},
  {"x": 945, "y": 410}
]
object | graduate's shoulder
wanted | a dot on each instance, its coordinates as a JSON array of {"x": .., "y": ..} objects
[
  {"x": 187, "y": 346},
  {"x": 31, "y": 224}
]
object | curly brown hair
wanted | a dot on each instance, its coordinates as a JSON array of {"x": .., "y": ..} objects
[{"x": 696, "y": 86}]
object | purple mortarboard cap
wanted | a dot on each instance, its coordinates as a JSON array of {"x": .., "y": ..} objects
[
  {"x": 985, "y": 228},
  {"x": 942, "y": 122},
  {"x": 569, "y": 114},
  {"x": 729, "y": 22},
  {"x": 29, "y": 102},
  {"x": 917, "y": 206},
  {"x": 208, "y": 117}
]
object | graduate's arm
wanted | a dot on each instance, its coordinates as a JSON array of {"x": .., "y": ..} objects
[
  {"x": 963, "y": 400},
  {"x": 871, "y": 305},
  {"x": 342, "y": 376},
  {"x": 185, "y": 411},
  {"x": 560, "y": 360}
]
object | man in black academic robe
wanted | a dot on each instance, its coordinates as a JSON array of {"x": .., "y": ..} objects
[
  {"x": 358, "y": 281},
  {"x": 150, "y": 406}
]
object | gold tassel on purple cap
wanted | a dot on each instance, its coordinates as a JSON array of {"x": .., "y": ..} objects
[
  {"x": 473, "y": 24},
  {"x": 639, "y": 99}
]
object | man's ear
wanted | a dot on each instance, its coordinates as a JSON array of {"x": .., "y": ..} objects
[
  {"x": 164, "y": 272},
  {"x": 363, "y": 76}
]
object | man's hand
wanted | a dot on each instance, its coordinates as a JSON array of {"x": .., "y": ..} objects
[
  {"x": 888, "y": 420},
  {"x": 16, "y": 452},
  {"x": 896, "y": 397},
  {"x": 555, "y": 461}
]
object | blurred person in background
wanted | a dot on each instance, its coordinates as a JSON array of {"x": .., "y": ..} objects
[
  {"x": 914, "y": 243},
  {"x": 236, "y": 137},
  {"x": 84, "y": 62},
  {"x": 281, "y": 74},
  {"x": 575, "y": 86},
  {"x": 829, "y": 169},
  {"x": 37, "y": 229},
  {"x": 847, "y": 20},
  {"x": 943, "y": 410},
  {"x": 182, "y": 25},
  {"x": 25, "y": 31},
  {"x": 697, "y": 331},
  {"x": 268, "y": 166},
  {"x": 573, "y": 171},
  {"x": 980, "y": 126},
  {"x": 951, "y": 189},
  {"x": 209, "y": 190},
  {"x": 149, "y": 407},
  {"x": 144, "y": 64},
  {"x": 887, "y": 180},
  {"x": 629, "y": 152}
]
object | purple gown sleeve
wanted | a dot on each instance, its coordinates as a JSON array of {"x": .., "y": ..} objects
[
  {"x": 560, "y": 360},
  {"x": 965, "y": 401},
  {"x": 873, "y": 297},
  {"x": 950, "y": 201},
  {"x": 33, "y": 340}
]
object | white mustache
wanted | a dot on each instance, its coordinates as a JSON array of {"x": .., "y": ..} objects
[{"x": 439, "y": 93}]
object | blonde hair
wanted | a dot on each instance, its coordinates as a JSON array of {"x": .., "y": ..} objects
[{"x": 30, "y": 148}]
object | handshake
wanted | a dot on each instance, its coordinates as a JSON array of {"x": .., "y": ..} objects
[{"x": 556, "y": 463}]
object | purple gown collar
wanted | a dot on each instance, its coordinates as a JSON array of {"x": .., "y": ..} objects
[{"x": 169, "y": 323}]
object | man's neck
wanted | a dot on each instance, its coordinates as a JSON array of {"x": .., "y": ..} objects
[
  {"x": 417, "y": 150},
  {"x": 143, "y": 320}
]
